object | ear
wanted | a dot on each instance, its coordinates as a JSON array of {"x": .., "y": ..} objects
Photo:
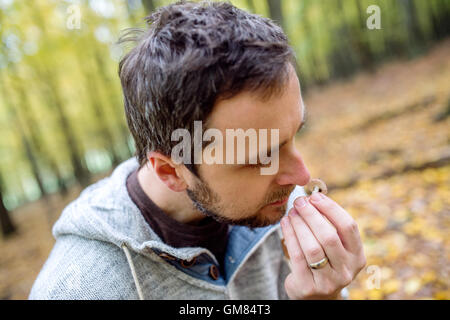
[{"x": 167, "y": 171}]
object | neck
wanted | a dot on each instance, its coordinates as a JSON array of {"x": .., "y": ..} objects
[{"x": 177, "y": 205}]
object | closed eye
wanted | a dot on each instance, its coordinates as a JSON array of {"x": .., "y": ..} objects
[{"x": 258, "y": 165}]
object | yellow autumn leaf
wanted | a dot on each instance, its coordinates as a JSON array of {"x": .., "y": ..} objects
[
  {"x": 375, "y": 294},
  {"x": 428, "y": 277},
  {"x": 442, "y": 295},
  {"x": 412, "y": 286},
  {"x": 391, "y": 286},
  {"x": 357, "y": 294}
]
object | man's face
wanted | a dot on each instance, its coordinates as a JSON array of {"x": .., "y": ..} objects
[{"x": 238, "y": 193}]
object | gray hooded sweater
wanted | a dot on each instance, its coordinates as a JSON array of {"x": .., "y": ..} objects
[{"x": 106, "y": 250}]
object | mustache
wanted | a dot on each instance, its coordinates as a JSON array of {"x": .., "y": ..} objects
[{"x": 280, "y": 195}]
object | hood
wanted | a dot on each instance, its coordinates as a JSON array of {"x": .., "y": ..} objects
[{"x": 104, "y": 211}]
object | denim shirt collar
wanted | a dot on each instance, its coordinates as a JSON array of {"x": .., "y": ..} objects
[{"x": 242, "y": 242}]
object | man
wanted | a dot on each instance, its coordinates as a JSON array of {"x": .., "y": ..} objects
[{"x": 161, "y": 228}]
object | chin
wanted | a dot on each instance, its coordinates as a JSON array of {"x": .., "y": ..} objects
[
  {"x": 272, "y": 216},
  {"x": 275, "y": 212},
  {"x": 268, "y": 215}
]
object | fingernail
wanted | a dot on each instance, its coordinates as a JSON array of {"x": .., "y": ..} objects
[
  {"x": 293, "y": 212},
  {"x": 300, "y": 202},
  {"x": 316, "y": 196}
]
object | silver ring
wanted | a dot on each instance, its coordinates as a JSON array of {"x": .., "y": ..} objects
[{"x": 320, "y": 264}]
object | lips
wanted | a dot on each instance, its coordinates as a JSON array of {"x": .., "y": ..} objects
[{"x": 279, "y": 203}]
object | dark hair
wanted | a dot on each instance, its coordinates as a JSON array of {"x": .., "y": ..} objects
[{"x": 193, "y": 54}]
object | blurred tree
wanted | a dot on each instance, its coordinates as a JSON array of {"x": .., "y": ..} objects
[
  {"x": 341, "y": 57},
  {"x": 415, "y": 36},
  {"x": 54, "y": 98},
  {"x": 310, "y": 61},
  {"x": 360, "y": 39},
  {"x": 29, "y": 154},
  {"x": 7, "y": 226},
  {"x": 440, "y": 18},
  {"x": 114, "y": 100},
  {"x": 93, "y": 90},
  {"x": 149, "y": 5},
  {"x": 251, "y": 5},
  {"x": 276, "y": 12},
  {"x": 38, "y": 145}
]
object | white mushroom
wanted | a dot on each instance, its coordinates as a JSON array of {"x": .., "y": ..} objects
[{"x": 316, "y": 185}]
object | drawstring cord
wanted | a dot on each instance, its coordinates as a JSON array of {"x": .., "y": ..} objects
[{"x": 133, "y": 271}]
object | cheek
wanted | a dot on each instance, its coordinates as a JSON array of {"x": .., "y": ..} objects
[{"x": 244, "y": 193}]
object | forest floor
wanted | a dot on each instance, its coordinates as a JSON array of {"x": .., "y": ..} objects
[{"x": 381, "y": 142}]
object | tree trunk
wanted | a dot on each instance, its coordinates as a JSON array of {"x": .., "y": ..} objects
[
  {"x": 341, "y": 59},
  {"x": 415, "y": 36},
  {"x": 360, "y": 41},
  {"x": 39, "y": 147},
  {"x": 11, "y": 110},
  {"x": 53, "y": 97},
  {"x": 6, "y": 224},
  {"x": 251, "y": 6},
  {"x": 93, "y": 91},
  {"x": 149, "y": 6},
  {"x": 114, "y": 100},
  {"x": 276, "y": 12},
  {"x": 440, "y": 19},
  {"x": 312, "y": 61},
  {"x": 30, "y": 154}
]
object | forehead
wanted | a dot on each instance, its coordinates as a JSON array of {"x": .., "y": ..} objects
[{"x": 247, "y": 110}]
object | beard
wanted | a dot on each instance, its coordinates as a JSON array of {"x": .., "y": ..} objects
[{"x": 206, "y": 201}]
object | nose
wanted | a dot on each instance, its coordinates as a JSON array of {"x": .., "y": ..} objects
[{"x": 293, "y": 171}]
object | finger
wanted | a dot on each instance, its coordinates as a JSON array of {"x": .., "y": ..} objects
[
  {"x": 308, "y": 243},
  {"x": 297, "y": 258},
  {"x": 323, "y": 231},
  {"x": 341, "y": 219}
]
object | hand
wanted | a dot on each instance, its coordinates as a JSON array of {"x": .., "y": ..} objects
[{"x": 309, "y": 237}]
